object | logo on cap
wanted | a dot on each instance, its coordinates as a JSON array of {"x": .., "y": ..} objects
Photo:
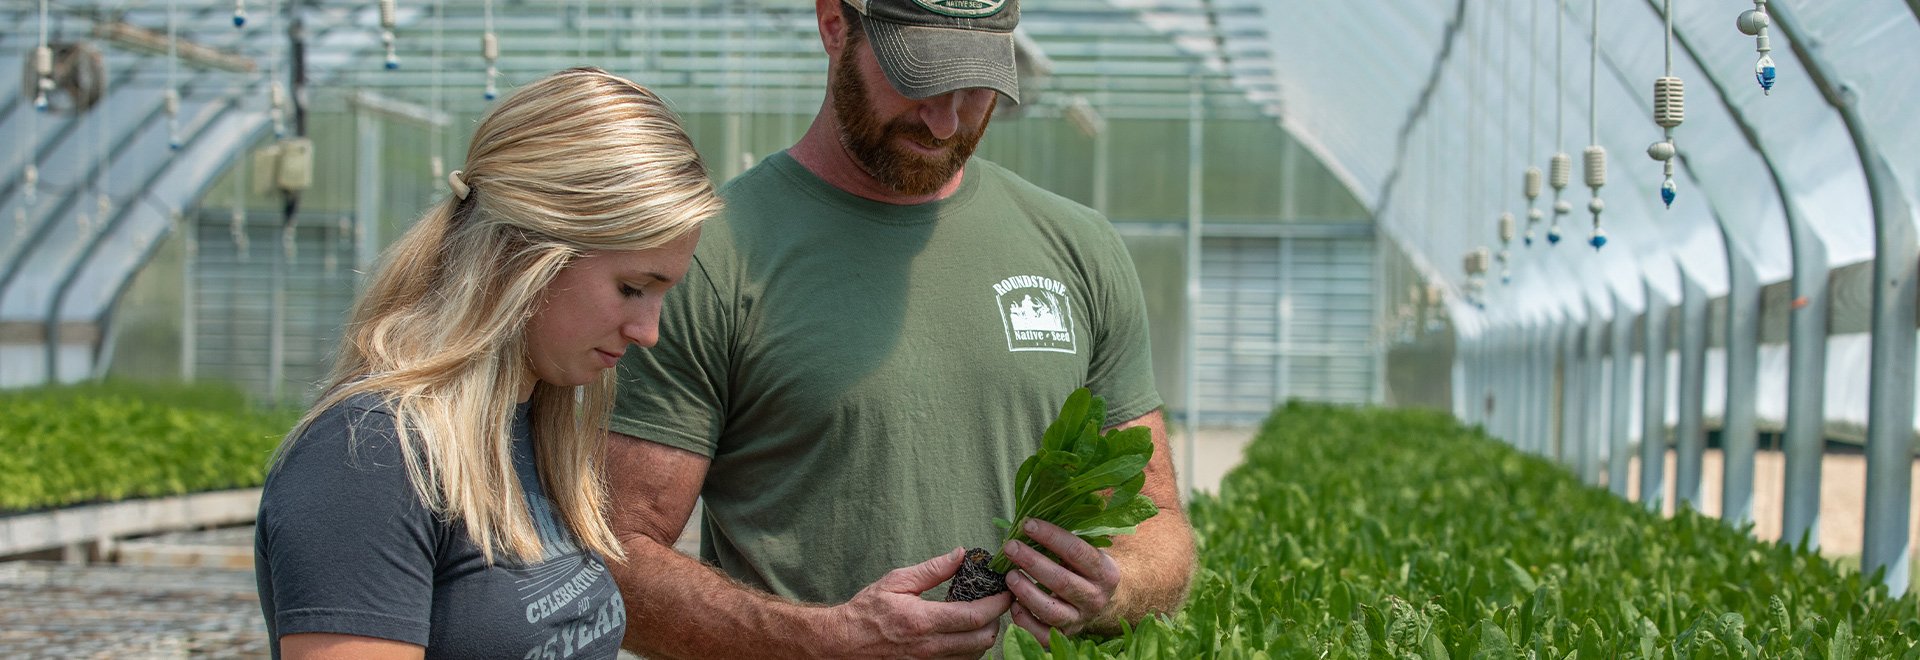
[{"x": 963, "y": 8}]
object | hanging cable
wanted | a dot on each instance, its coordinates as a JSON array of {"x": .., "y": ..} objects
[
  {"x": 276, "y": 92},
  {"x": 490, "y": 50},
  {"x": 389, "y": 19},
  {"x": 436, "y": 162},
  {"x": 43, "y": 64},
  {"x": 1754, "y": 22},
  {"x": 172, "y": 100},
  {"x": 1669, "y": 109},
  {"x": 1471, "y": 71},
  {"x": 30, "y": 171},
  {"x": 1530, "y": 185},
  {"x": 237, "y": 220},
  {"x": 1505, "y": 221},
  {"x": 103, "y": 170},
  {"x": 1560, "y": 168},
  {"x": 1596, "y": 154}
]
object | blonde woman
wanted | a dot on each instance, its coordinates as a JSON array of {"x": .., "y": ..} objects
[{"x": 443, "y": 499}]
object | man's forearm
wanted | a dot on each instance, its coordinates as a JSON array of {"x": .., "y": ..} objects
[
  {"x": 678, "y": 607},
  {"x": 1156, "y": 568}
]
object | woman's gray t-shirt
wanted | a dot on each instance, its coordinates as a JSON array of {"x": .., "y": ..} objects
[{"x": 344, "y": 545}]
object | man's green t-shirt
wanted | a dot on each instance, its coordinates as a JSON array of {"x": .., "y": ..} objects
[{"x": 867, "y": 377}]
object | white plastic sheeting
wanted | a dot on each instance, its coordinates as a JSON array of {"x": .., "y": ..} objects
[{"x": 1440, "y": 165}]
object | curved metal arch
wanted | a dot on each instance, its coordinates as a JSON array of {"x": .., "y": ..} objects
[
  {"x": 227, "y": 104},
  {"x": 1807, "y": 343},
  {"x": 1420, "y": 107},
  {"x": 1890, "y": 397}
]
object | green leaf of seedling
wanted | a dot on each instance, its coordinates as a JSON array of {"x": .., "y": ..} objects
[
  {"x": 1026, "y": 472},
  {"x": 1107, "y": 475},
  {"x": 1123, "y": 514},
  {"x": 1130, "y": 440},
  {"x": 1521, "y": 576},
  {"x": 1086, "y": 444},
  {"x": 1073, "y": 414},
  {"x": 1132, "y": 487}
]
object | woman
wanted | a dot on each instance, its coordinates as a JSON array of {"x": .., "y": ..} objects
[{"x": 443, "y": 498}]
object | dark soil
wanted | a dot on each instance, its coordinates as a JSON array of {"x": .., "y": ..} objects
[{"x": 975, "y": 580}]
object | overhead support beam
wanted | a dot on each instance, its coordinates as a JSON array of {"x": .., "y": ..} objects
[{"x": 1896, "y": 264}]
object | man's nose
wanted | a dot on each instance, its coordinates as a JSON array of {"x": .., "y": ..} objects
[{"x": 941, "y": 114}]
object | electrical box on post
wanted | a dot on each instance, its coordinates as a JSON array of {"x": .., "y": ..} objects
[{"x": 295, "y": 171}]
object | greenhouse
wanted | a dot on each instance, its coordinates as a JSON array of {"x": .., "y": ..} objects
[{"x": 1502, "y": 327}]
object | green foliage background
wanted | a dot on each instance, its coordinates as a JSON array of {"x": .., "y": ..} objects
[
  {"x": 1363, "y": 533},
  {"x": 113, "y": 441}
]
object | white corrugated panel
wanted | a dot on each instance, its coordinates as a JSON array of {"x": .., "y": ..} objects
[{"x": 1284, "y": 318}]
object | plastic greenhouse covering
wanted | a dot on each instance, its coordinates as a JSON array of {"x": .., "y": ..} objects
[{"x": 1419, "y": 119}]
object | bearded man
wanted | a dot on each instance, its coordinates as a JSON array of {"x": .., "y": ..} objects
[{"x": 868, "y": 344}]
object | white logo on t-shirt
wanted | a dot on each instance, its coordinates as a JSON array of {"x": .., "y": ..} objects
[{"x": 1037, "y": 313}]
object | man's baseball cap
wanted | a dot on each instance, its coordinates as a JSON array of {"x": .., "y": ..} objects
[{"x": 931, "y": 47}]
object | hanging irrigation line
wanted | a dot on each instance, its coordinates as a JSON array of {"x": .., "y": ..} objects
[
  {"x": 1560, "y": 169},
  {"x": 436, "y": 161},
  {"x": 1505, "y": 223},
  {"x": 490, "y": 51},
  {"x": 276, "y": 92},
  {"x": 103, "y": 170},
  {"x": 389, "y": 19},
  {"x": 1754, "y": 22},
  {"x": 1596, "y": 154},
  {"x": 1669, "y": 109},
  {"x": 172, "y": 100},
  {"x": 1531, "y": 182}
]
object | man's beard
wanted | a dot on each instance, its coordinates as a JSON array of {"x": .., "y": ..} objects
[{"x": 872, "y": 144}]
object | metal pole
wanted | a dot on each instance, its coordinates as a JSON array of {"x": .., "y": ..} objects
[
  {"x": 189, "y": 298},
  {"x": 1194, "y": 227},
  {"x": 1621, "y": 397},
  {"x": 1546, "y": 344},
  {"x": 1891, "y": 366},
  {"x": 1807, "y": 363},
  {"x": 1690, "y": 438},
  {"x": 1525, "y": 408},
  {"x": 1653, "y": 405},
  {"x": 1510, "y": 384},
  {"x": 1594, "y": 432},
  {"x": 1573, "y": 397},
  {"x": 366, "y": 193},
  {"x": 1737, "y": 436}
]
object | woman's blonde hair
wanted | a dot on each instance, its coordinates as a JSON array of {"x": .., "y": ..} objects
[{"x": 579, "y": 160}]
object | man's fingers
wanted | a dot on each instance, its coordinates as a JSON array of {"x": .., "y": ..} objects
[
  {"x": 976, "y": 615},
  {"x": 1078, "y": 555},
  {"x": 918, "y": 578},
  {"x": 1040, "y": 606},
  {"x": 1024, "y": 619},
  {"x": 1066, "y": 584}
]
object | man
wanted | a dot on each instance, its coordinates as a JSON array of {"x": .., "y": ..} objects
[{"x": 868, "y": 344}]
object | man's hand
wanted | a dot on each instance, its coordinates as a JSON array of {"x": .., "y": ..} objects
[
  {"x": 1079, "y": 588},
  {"x": 889, "y": 619}
]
